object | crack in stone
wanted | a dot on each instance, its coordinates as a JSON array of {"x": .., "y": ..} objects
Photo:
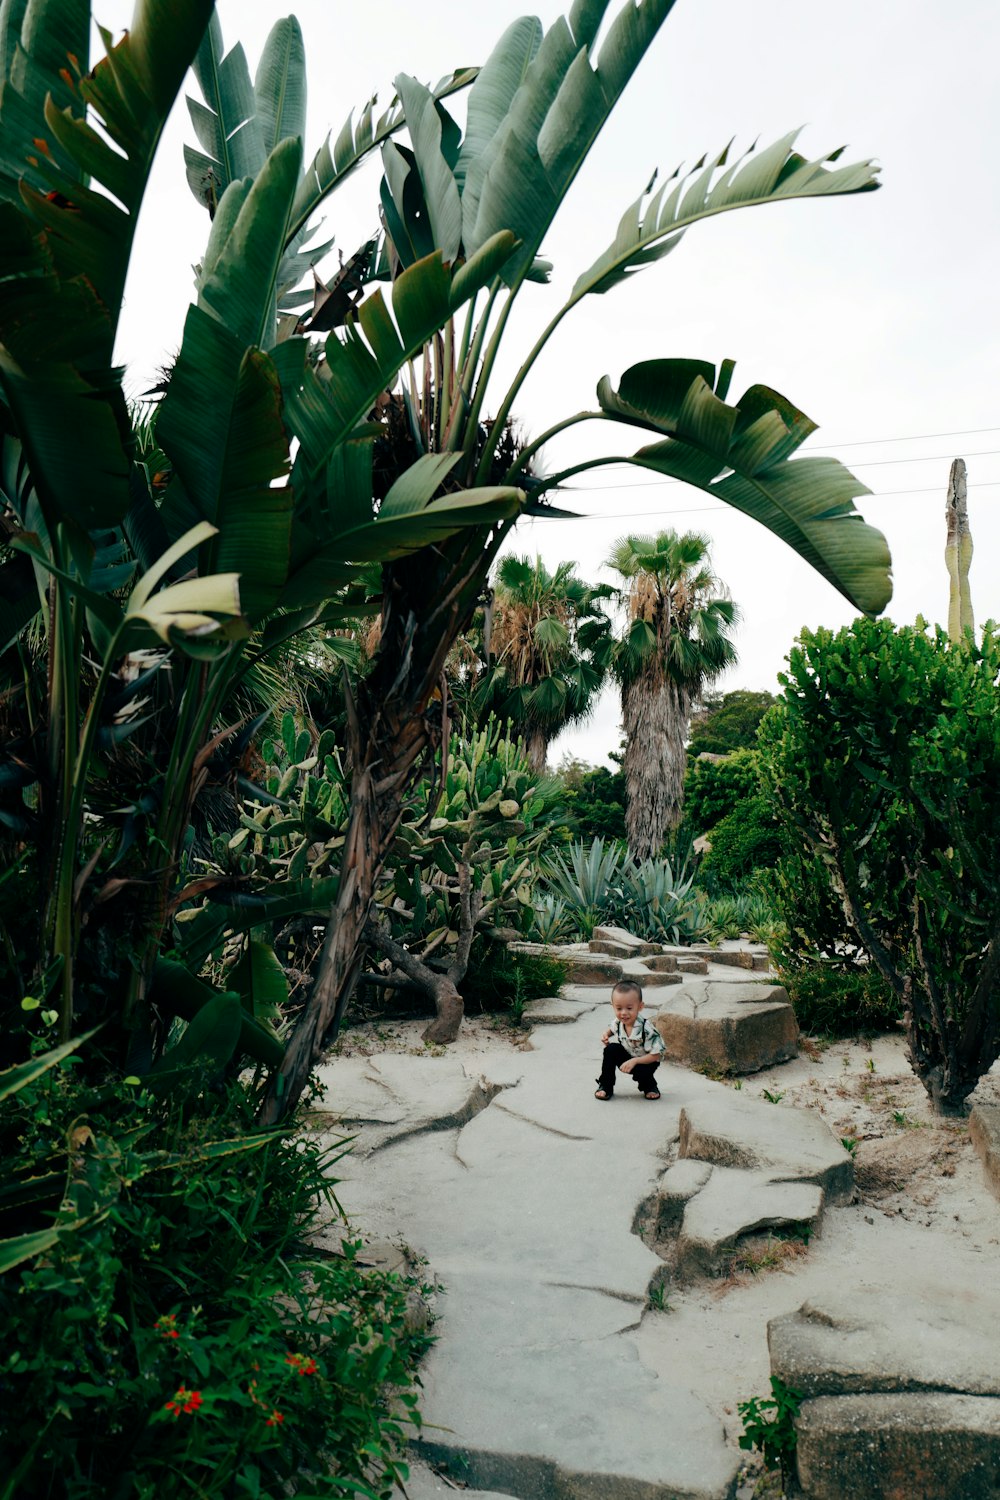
[
  {"x": 549, "y": 1129},
  {"x": 602, "y": 1291},
  {"x": 481, "y": 1096}
]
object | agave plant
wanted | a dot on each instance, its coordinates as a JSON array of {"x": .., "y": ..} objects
[
  {"x": 656, "y": 904},
  {"x": 551, "y": 919},
  {"x": 587, "y": 884}
]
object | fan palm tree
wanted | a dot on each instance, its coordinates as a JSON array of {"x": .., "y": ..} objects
[
  {"x": 542, "y": 670},
  {"x": 675, "y": 642}
]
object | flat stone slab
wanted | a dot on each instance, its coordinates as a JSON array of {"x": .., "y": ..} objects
[
  {"x": 661, "y": 963},
  {"x": 789, "y": 1144},
  {"x": 843, "y": 1344},
  {"x": 740, "y": 958},
  {"x": 382, "y": 1099},
  {"x": 984, "y": 1132},
  {"x": 692, "y": 965},
  {"x": 650, "y": 979},
  {"x": 569, "y": 1445},
  {"x": 899, "y": 1447},
  {"x": 733, "y": 1204},
  {"x": 593, "y": 968},
  {"x": 636, "y": 946},
  {"x": 729, "y": 1028},
  {"x": 613, "y": 950},
  {"x": 553, "y": 1011}
]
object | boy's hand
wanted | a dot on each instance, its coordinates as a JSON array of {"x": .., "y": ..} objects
[
  {"x": 627, "y": 1067},
  {"x": 605, "y": 1039}
]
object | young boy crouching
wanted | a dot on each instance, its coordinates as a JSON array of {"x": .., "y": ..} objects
[{"x": 631, "y": 1044}]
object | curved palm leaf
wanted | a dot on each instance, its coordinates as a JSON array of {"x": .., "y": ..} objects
[
  {"x": 44, "y": 46},
  {"x": 742, "y": 454},
  {"x": 226, "y": 124},
  {"x": 770, "y": 176}
]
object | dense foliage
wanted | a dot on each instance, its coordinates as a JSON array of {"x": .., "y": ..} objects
[
  {"x": 723, "y": 722},
  {"x": 884, "y": 768},
  {"x": 179, "y": 1333},
  {"x": 725, "y": 802}
]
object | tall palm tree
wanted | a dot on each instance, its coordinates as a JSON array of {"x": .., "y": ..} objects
[
  {"x": 542, "y": 671},
  {"x": 675, "y": 642}
]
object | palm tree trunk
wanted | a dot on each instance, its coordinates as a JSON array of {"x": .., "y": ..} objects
[
  {"x": 537, "y": 748},
  {"x": 656, "y": 715}
]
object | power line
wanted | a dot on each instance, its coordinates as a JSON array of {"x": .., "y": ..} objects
[
  {"x": 703, "y": 510},
  {"x": 915, "y": 437},
  {"x": 645, "y": 484}
]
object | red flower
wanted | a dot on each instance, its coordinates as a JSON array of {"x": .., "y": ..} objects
[
  {"x": 302, "y": 1364},
  {"x": 165, "y": 1326},
  {"x": 184, "y": 1401},
  {"x": 274, "y": 1419}
]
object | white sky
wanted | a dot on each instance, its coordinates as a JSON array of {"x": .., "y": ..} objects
[{"x": 876, "y": 314}]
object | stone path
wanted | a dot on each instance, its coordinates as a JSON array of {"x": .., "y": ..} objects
[{"x": 522, "y": 1191}]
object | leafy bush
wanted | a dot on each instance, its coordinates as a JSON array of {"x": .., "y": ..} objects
[
  {"x": 499, "y": 979},
  {"x": 724, "y": 799},
  {"x": 177, "y": 1334},
  {"x": 884, "y": 767},
  {"x": 833, "y": 1000},
  {"x": 727, "y": 721},
  {"x": 595, "y": 803}
]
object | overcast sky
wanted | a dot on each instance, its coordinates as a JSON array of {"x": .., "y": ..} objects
[{"x": 876, "y": 314}]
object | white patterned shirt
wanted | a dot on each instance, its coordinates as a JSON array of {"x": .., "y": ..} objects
[{"x": 644, "y": 1039}]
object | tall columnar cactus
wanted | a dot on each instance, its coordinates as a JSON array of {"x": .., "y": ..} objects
[{"x": 958, "y": 553}]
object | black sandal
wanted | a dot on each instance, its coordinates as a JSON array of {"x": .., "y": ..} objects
[
  {"x": 652, "y": 1094},
  {"x": 604, "y": 1095}
]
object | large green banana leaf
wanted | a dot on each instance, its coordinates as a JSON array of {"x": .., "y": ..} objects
[
  {"x": 525, "y": 167},
  {"x": 64, "y": 252},
  {"x": 44, "y": 49},
  {"x": 742, "y": 454},
  {"x": 222, "y": 421}
]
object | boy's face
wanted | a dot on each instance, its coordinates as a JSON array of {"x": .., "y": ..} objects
[{"x": 626, "y": 1006}]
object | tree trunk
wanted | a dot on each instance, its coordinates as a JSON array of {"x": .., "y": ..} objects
[
  {"x": 656, "y": 716},
  {"x": 393, "y": 731},
  {"x": 537, "y": 747}
]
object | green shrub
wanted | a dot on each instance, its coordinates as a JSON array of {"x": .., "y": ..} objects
[
  {"x": 715, "y": 788},
  {"x": 832, "y": 1000},
  {"x": 499, "y": 979},
  {"x": 725, "y": 801},
  {"x": 884, "y": 767},
  {"x": 180, "y": 1337}
]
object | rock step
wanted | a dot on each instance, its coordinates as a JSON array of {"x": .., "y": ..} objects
[
  {"x": 733, "y": 1205},
  {"x": 932, "y": 1446},
  {"x": 789, "y": 1144}
]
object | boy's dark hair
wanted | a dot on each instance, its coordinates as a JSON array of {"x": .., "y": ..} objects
[{"x": 625, "y": 985}]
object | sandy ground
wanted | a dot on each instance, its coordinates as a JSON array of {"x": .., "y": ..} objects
[{"x": 923, "y": 1215}]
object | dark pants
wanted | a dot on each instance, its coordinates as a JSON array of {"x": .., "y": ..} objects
[{"x": 614, "y": 1055}]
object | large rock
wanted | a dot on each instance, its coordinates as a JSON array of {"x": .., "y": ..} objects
[
  {"x": 622, "y": 938},
  {"x": 792, "y": 1144},
  {"x": 899, "y": 1447},
  {"x": 984, "y": 1132},
  {"x": 552, "y": 1011},
  {"x": 734, "y": 1204},
  {"x": 856, "y": 1341},
  {"x": 729, "y": 1028},
  {"x": 661, "y": 963},
  {"x": 692, "y": 965},
  {"x": 593, "y": 969},
  {"x": 741, "y": 958}
]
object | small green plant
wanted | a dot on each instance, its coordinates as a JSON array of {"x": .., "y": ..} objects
[
  {"x": 849, "y": 1143},
  {"x": 658, "y": 1299},
  {"x": 870, "y": 1065},
  {"x": 769, "y": 1424},
  {"x": 738, "y": 1083},
  {"x": 774, "y": 1097}
]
